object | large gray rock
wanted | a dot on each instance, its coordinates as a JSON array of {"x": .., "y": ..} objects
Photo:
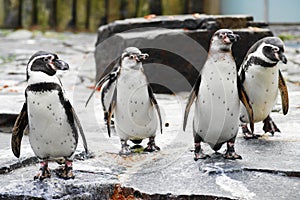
[
  {"x": 177, "y": 45},
  {"x": 188, "y": 22}
]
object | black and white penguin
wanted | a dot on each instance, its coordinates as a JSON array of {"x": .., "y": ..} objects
[
  {"x": 261, "y": 78},
  {"x": 217, "y": 93},
  {"x": 133, "y": 102},
  {"x": 52, "y": 122}
]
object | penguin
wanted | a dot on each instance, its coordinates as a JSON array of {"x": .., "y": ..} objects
[
  {"x": 217, "y": 93},
  {"x": 134, "y": 105},
  {"x": 52, "y": 122},
  {"x": 261, "y": 79}
]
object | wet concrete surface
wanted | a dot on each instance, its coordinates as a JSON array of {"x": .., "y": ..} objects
[{"x": 270, "y": 168}]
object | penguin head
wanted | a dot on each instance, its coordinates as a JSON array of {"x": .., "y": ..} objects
[
  {"x": 273, "y": 49},
  {"x": 131, "y": 57},
  {"x": 223, "y": 40},
  {"x": 46, "y": 63}
]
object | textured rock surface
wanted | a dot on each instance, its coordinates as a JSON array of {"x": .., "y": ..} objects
[
  {"x": 269, "y": 169},
  {"x": 176, "y": 56},
  {"x": 177, "y": 45},
  {"x": 190, "y": 22}
]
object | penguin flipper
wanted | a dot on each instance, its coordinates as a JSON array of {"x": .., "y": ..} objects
[
  {"x": 18, "y": 129},
  {"x": 284, "y": 93},
  {"x": 111, "y": 76},
  {"x": 154, "y": 102},
  {"x": 245, "y": 100},
  {"x": 110, "y": 113},
  {"x": 193, "y": 95},
  {"x": 79, "y": 127},
  {"x": 107, "y": 93}
]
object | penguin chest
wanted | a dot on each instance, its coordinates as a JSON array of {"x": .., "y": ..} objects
[
  {"x": 217, "y": 105},
  {"x": 135, "y": 116},
  {"x": 50, "y": 132},
  {"x": 261, "y": 85}
]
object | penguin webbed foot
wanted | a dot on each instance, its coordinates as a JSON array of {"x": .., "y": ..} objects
[
  {"x": 151, "y": 146},
  {"x": 270, "y": 126},
  {"x": 230, "y": 152},
  {"x": 66, "y": 171},
  {"x": 248, "y": 134},
  {"x": 198, "y": 153},
  {"x": 44, "y": 172},
  {"x": 125, "y": 149}
]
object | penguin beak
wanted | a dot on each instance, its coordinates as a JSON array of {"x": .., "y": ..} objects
[
  {"x": 60, "y": 65},
  {"x": 281, "y": 56},
  {"x": 229, "y": 38},
  {"x": 142, "y": 57},
  {"x": 233, "y": 37}
]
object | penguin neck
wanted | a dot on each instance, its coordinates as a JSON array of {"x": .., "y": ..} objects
[
  {"x": 219, "y": 54},
  {"x": 136, "y": 67},
  {"x": 219, "y": 47},
  {"x": 40, "y": 77}
]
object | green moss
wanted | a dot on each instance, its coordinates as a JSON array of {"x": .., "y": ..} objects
[
  {"x": 287, "y": 36},
  {"x": 55, "y": 35},
  {"x": 8, "y": 59},
  {"x": 138, "y": 150},
  {"x": 5, "y": 32}
]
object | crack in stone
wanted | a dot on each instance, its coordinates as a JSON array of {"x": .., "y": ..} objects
[
  {"x": 33, "y": 160},
  {"x": 276, "y": 172},
  {"x": 23, "y": 163}
]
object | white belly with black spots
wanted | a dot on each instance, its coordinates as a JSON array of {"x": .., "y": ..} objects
[
  {"x": 50, "y": 133},
  {"x": 135, "y": 117},
  {"x": 261, "y": 85},
  {"x": 217, "y": 106}
]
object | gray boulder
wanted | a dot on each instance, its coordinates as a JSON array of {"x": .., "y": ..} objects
[{"x": 177, "y": 45}]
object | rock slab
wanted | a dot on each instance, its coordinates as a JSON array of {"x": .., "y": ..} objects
[{"x": 177, "y": 45}]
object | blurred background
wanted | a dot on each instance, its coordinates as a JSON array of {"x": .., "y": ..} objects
[{"x": 88, "y": 15}]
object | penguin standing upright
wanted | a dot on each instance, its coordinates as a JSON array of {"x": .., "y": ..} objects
[
  {"x": 218, "y": 93},
  {"x": 133, "y": 102},
  {"x": 261, "y": 79},
  {"x": 52, "y": 122}
]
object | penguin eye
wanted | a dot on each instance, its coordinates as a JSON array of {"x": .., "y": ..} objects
[
  {"x": 47, "y": 59},
  {"x": 275, "y": 49},
  {"x": 131, "y": 56},
  {"x": 222, "y": 35}
]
